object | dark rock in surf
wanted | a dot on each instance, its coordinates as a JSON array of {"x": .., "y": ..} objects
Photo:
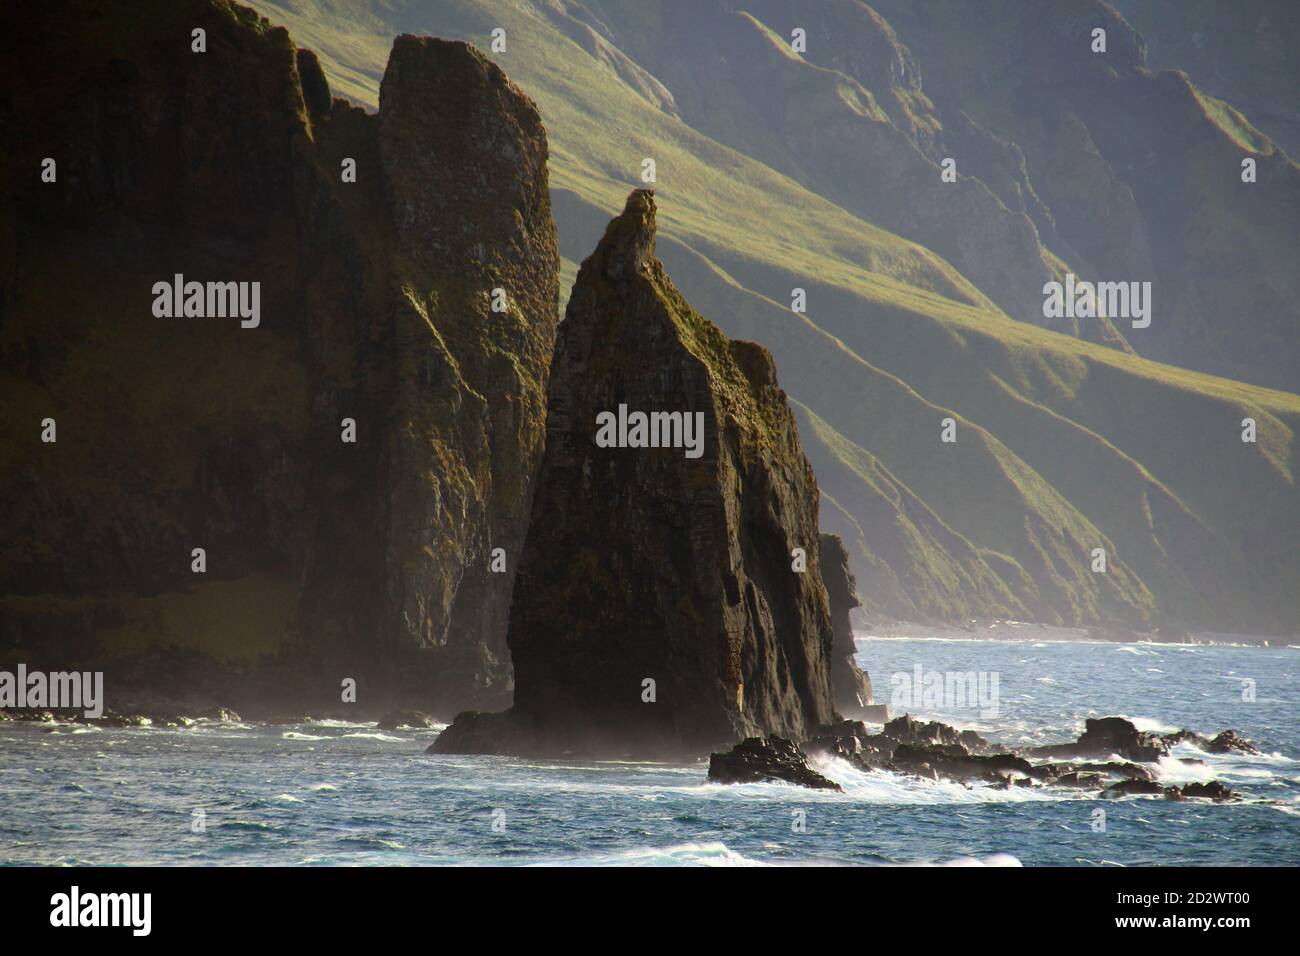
[
  {"x": 1109, "y": 735},
  {"x": 908, "y": 730},
  {"x": 755, "y": 760},
  {"x": 1080, "y": 781},
  {"x": 1228, "y": 742},
  {"x": 954, "y": 762},
  {"x": 1133, "y": 788},
  {"x": 395, "y": 719},
  {"x": 1211, "y": 790}
]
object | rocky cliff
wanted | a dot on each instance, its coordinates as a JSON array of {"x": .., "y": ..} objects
[
  {"x": 348, "y": 464},
  {"x": 850, "y": 686},
  {"x": 1060, "y": 447},
  {"x": 669, "y": 594}
]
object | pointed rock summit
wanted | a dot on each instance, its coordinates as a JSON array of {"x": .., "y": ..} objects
[{"x": 669, "y": 597}]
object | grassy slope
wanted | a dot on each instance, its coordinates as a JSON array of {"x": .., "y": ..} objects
[
  {"x": 1062, "y": 446},
  {"x": 1179, "y": 151}
]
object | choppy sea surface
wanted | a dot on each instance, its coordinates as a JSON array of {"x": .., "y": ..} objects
[{"x": 332, "y": 792}]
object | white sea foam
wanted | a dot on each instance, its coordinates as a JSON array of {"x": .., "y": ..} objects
[
  {"x": 716, "y": 853},
  {"x": 891, "y": 788},
  {"x": 1136, "y": 651},
  {"x": 995, "y": 859},
  {"x": 1230, "y": 768},
  {"x": 1171, "y": 770},
  {"x": 207, "y": 724},
  {"x": 1151, "y": 725},
  {"x": 680, "y": 854}
]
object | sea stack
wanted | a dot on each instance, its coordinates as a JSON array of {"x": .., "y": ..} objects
[
  {"x": 850, "y": 685},
  {"x": 669, "y": 598}
]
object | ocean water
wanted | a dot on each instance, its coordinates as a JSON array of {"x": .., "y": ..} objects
[{"x": 332, "y": 792}]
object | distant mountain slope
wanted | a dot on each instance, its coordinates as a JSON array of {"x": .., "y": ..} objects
[
  {"x": 1141, "y": 172},
  {"x": 1062, "y": 445},
  {"x": 1244, "y": 52},
  {"x": 856, "y": 129}
]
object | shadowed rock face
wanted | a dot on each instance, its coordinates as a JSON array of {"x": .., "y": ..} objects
[
  {"x": 464, "y": 164},
  {"x": 325, "y": 560},
  {"x": 850, "y": 686},
  {"x": 644, "y": 564}
]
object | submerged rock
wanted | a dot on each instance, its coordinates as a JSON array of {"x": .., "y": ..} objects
[
  {"x": 1132, "y": 788},
  {"x": 669, "y": 597},
  {"x": 395, "y": 719},
  {"x": 756, "y": 759}
]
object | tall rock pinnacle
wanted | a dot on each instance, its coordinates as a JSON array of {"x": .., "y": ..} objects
[{"x": 669, "y": 597}]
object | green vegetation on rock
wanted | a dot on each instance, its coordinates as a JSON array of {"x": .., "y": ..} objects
[{"x": 1063, "y": 445}]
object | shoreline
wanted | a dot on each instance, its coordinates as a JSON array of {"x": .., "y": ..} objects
[{"x": 1027, "y": 632}]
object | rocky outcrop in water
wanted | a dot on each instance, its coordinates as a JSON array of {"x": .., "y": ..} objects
[
  {"x": 936, "y": 751},
  {"x": 757, "y": 760},
  {"x": 1226, "y": 742},
  {"x": 1110, "y": 735},
  {"x": 669, "y": 599},
  {"x": 350, "y": 463}
]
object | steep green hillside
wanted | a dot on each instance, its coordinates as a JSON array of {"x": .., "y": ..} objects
[
  {"x": 848, "y": 119},
  {"x": 1244, "y": 52},
  {"x": 1062, "y": 445},
  {"x": 1142, "y": 170}
]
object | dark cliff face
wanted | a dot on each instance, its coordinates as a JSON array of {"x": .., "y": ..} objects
[
  {"x": 849, "y": 685},
  {"x": 646, "y": 564},
  {"x": 325, "y": 559}
]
